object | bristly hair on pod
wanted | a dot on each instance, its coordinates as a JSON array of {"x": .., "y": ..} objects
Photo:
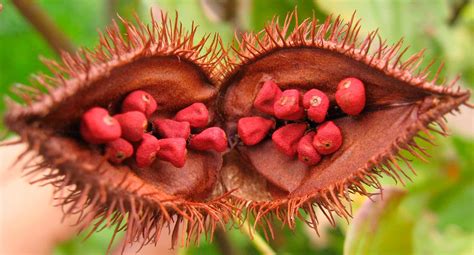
[
  {"x": 318, "y": 55},
  {"x": 169, "y": 63}
]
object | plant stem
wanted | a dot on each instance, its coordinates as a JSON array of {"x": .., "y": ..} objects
[
  {"x": 45, "y": 26},
  {"x": 256, "y": 239}
]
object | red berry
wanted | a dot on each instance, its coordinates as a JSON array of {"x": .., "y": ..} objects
[
  {"x": 172, "y": 129},
  {"x": 288, "y": 106},
  {"x": 98, "y": 127},
  {"x": 146, "y": 150},
  {"x": 213, "y": 138},
  {"x": 118, "y": 150},
  {"x": 267, "y": 96},
  {"x": 317, "y": 104},
  {"x": 141, "y": 101},
  {"x": 328, "y": 138},
  {"x": 252, "y": 130},
  {"x": 350, "y": 95},
  {"x": 306, "y": 151},
  {"x": 196, "y": 114},
  {"x": 173, "y": 150},
  {"x": 133, "y": 125},
  {"x": 286, "y": 138}
]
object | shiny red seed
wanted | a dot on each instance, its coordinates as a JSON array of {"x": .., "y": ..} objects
[
  {"x": 306, "y": 151},
  {"x": 133, "y": 124},
  {"x": 328, "y": 138},
  {"x": 252, "y": 130},
  {"x": 141, "y": 101},
  {"x": 288, "y": 106},
  {"x": 118, "y": 150},
  {"x": 167, "y": 128},
  {"x": 317, "y": 104},
  {"x": 286, "y": 138},
  {"x": 173, "y": 150},
  {"x": 196, "y": 114},
  {"x": 267, "y": 96},
  {"x": 98, "y": 127},
  {"x": 146, "y": 150},
  {"x": 350, "y": 96},
  {"x": 213, "y": 138}
]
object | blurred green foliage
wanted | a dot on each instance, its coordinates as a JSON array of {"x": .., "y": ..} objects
[{"x": 435, "y": 216}]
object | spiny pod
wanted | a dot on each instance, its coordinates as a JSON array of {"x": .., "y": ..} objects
[
  {"x": 286, "y": 138},
  {"x": 252, "y": 130},
  {"x": 267, "y": 96},
  {"x": 317, "y": 105},
  {"x": 133, "y": 125},
  {"x": 288, "y": 106},
  {"x": 196, "y": 114},
  {"x": 328, "y": 138},
  {"x": 306, "y": 151},
  {"x": 212, "y": 138},
  {"x": 350, "y": 95},
  {"x": 98, "y": 127},
  {"x": 173, "y": 150},
  {"x": 118, "y": 150},
  {"x": 146, "y": 150},
  {"x": 140, "y": 100},
  {"x": 168, "y": 128}
]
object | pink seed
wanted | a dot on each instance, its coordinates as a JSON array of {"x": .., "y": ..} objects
[
  {"x": 289, "y": 107},
  {"x": 118, "y": 150},
  {"x": 173, "y": 150},
  {"x": 213, "y": 138},
  {"x": 350, "y": 96},
  {"x": 146, "y": 150},
  {"x": 133, "y": 124},
  {"x": 98, "y": 127},
  {"x": 196, "y": 114},
  {"x": 306, "y": 151},
  {"x": 267, "y": 96},
  {"x": 317, "y": 104},
  {"x": 286, "y": 138},
  {"x": 252, "y": 130},
  {"x": 141, "y": 101},
  {"x": 172, "y": 129},
  {"x": 328, "y": 138}
]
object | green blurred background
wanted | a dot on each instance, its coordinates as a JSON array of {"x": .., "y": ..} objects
[{"x": 434, "y": 216}]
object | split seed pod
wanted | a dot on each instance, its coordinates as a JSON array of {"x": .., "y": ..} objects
[{"x": 163, "y": 60}]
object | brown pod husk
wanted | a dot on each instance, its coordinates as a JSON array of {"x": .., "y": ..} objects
[
  {"x": 400, "y": 103},
  {"x": 254, "y": 181},
  {"x": 161, "y": 59}
]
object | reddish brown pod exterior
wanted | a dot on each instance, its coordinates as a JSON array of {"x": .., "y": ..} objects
[
  {"x": 98, "y": 127},
  {"x": 350, "y": 95}
]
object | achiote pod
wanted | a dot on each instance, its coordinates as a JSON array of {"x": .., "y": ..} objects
[{"x": 288, "y": 79}]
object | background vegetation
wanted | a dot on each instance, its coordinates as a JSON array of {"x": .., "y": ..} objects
[{"x": 433, "y": 216}]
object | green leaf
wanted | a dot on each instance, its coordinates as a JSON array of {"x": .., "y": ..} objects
[{"x": 380, "y": 227}]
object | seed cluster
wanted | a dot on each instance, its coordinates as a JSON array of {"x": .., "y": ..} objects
[
  {"x": 298, "y": 111},
  {"x": 125, "y": 135}
]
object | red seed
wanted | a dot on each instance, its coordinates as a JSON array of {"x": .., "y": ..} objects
[
  {"x": 317, "y": 104},
  {"x": 213, "y": 138},
  {"x": 289, "y": 107},
  {"x": 350, "y": 96},
  {"x": 98, "y": 127},
  {"x": 252, "y": 130},
  {"x": 286, "y": 138},
  {"x": 328, "y": 138},
  {"x": 306, "y": 151},
  {"x": 146, "y": 151},
  {"x": 118, "y": 150},
  {"x": 133, "y": 124},
  {"x": 173, "y": 150},
  {"x": 267, "y": 96},
  {"x": 172, "y": 129},
  {"x": 196, "y": 114},
  {"x": 141, "y": 101}
]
